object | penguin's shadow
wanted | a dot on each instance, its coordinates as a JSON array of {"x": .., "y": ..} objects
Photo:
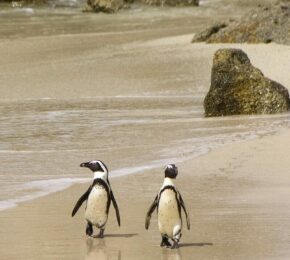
[
  {"x": 195, "y": 244},
  {"x": 121, "y": 235}
]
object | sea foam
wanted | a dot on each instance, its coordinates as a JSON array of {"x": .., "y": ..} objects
[{"x": 42, "y": 188}]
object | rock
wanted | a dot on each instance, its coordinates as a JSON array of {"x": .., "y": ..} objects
[
  {"x": 237, "y": 87},
  {"x": 207, "y": 33},
  {"x": 264, "y": 24},
  {"x": 111, "y": 6},
  {"x": 106, "y": 6},
  {"x": 172, "y": 2}
]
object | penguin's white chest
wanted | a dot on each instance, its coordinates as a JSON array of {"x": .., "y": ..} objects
[
  {"x": 96, "y": 210},
  {"x": 169, "y": 221}
]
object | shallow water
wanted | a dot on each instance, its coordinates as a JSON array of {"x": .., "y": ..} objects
[
  {"x": 60, "y": 17},
  {"x": 78, "y": 87},
  {"x": 48, "y": 139}
]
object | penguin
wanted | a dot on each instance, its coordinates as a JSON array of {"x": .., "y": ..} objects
[
  {"x": 98, "y": 196},
  {"x": 169, "y": 203}
]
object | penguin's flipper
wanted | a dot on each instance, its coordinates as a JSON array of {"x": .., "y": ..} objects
[
  {"x": 83, "y": 198},
  {"x": 116, "y": 208},
  {"x": 185, "y": 211},
  {"x": 150, "y": 211}
]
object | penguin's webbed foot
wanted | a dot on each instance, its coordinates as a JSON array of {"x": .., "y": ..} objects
[
  {"x": 100, "y": 235},
  {"x": 175, "y": 245},
  {"x": 165, "y": 242},
  {"x": 89, "y": 229}
]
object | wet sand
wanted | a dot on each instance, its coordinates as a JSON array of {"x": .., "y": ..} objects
[{"x": 237, "y": 197}]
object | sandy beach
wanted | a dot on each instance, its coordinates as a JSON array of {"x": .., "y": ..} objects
[
  {"x": 140, "y": 83},
  {"x": 236, "y": 196}
]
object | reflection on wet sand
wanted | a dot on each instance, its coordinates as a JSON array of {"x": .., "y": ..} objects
[
  {"x": 96, "y": 249},
  {"x": 170, "y": 254}
]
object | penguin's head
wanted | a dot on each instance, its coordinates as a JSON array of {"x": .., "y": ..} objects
[
  {"x": 171, "y": 171},
  {"x": 95, "y": 166}
]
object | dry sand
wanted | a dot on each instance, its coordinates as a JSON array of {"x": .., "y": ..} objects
[
  {"x": 237, "y": 196},
  {"x": 75, "y": 66}
]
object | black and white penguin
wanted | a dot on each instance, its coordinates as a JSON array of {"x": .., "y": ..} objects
[
  {"x": 169, "y": 203},
  {"x": 98, "y": 196}
]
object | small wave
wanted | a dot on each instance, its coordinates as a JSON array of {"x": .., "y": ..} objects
[
  {"x": 43, "y": 187},
  {"x": 16, "y": 10},
  {"x": 184, "y": 149},
  {"x": 150, "y": 166},
  {"x": 146, "y": 95},
  {"x": 64, "y": 3},
  {"x": 46, "y": 187}
]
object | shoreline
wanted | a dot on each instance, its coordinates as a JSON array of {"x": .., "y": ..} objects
[
  {"x": 69, "y": 182},
  {"x": 222, "y": 189},
  {"x": 181, "y": 42}
]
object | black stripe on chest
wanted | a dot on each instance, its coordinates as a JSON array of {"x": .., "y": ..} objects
[{"x": 170, "y": 187}]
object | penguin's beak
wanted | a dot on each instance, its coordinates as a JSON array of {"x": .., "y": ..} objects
[{"x": 85, "y": 164}]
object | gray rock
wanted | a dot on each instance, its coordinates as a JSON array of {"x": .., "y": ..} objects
[
  {"x": 106, "y": 6},
  {"x": 237, "y": 87},
  {"x": 207, "y": 33},
  {"x": 264, "y": 24}
]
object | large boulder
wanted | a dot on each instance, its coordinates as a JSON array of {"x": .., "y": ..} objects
[
  {"x": 264, "y": 24},
  {"x": 106, "y": 6},
  {"x": 237, "y": 87}
]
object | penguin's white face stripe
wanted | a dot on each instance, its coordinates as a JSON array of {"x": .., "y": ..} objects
[{"x": 103, "y": 167}]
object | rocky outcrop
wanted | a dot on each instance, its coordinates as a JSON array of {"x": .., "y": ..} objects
[
  {"x": 111, "y": 6},
  {"x": 172, "y": 2},
  {"x": 207, "y": 33},
  {"x": 237, "y": 87},
  {"x": 106, "y": 6},
  {"x": 263, "y": 25}
]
